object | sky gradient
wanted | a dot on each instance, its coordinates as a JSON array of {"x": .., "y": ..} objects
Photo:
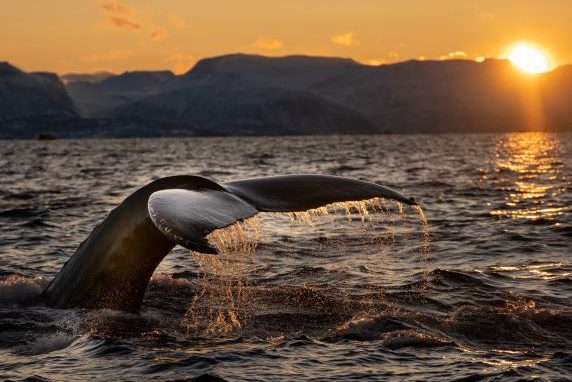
[{"x": 91, "y": 35}]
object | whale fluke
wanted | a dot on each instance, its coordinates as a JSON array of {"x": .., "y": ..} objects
[
  {"x": 187, "y": 216},
  {"x": 112, "y": 267},
  {"x": 294, "y": 193}
]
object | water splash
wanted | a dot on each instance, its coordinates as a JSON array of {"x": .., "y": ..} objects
[
  {"x": 219, "y": 307},
  {"x": 225, "y": 301},
  {"x": 425, "y": 246}
]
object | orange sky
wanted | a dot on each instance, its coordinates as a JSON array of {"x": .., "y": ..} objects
[{"x": 91, "y": 35}]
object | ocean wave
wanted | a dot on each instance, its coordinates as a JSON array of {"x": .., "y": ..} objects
[
  {"x": 517, "y": 323},
  {"x": 20, "y": 290},
  {"x": 414, "y": 339},
  {"x": 369, "y": 329},
  {"x": 322, "y": 301},
  {"x": 394, "y": 333},
  {"x": 45, "y": 344},
  {"x": 18, "y": 213}
]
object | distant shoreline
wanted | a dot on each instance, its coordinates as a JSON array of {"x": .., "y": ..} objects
[{"x": 166, "y": 137}]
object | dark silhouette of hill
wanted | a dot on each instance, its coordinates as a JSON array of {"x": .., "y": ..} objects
[
  {"x": 32, "y": 102},
  {"x": 412, "y": 96},
  {"x": 407, "y": 97},
  {"x": 215, "y": 110},
  {"x": 241, "y": 70},
  {"x": 436, "y": 96},
  {"x": 248, "y": 94},
  {"x": 556, "y": 93},
  {"x": 92, "y": 97}
]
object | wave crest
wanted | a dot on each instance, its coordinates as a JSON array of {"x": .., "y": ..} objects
[{"x": 20, "y": 290}]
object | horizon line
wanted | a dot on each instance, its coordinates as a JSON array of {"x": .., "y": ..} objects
[{"x": 357, "y": 62}]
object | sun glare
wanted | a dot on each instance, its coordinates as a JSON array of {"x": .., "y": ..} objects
[{"x": 529, "y": 59}]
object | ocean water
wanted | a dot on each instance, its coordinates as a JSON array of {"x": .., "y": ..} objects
[{"x": 483, "y": 292}]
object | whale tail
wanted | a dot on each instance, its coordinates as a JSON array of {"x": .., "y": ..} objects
[
  {"x": 112, "y": 267},
  {"x": 187, "y": 216}
]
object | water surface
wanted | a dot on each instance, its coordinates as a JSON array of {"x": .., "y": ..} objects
[{"x": 330, "y": 299}]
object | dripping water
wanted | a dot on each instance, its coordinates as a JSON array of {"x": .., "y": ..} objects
[
  {"x": 225, "y": 301},
  {"x": 219, "y": 305},
  {"x": 425, "y": 246}
]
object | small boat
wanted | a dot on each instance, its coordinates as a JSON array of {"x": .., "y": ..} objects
[{"x": 45, "y": 137}]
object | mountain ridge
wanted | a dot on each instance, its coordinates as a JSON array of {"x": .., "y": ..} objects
[
  {"x": 253, "y": 111},
  {"x": 407, "y": 97}
]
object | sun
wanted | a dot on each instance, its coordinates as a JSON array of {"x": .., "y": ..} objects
[{"x": 529, "y": 58}]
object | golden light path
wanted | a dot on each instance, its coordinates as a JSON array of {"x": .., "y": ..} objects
[
  {"x": 529, "y": 58},
  {"x": 529, "y": 170}
]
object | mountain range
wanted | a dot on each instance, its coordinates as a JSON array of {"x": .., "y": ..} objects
[{"x": 242, "y": 94}]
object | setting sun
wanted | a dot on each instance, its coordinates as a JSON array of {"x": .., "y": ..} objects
[{"x": 528, "y": 58}]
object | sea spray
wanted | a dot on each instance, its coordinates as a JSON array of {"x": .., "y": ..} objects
[
  {"x": 218, "y": 308},
  {"x": 425, "y": 246},
  {"x": 225, "y": 301}
]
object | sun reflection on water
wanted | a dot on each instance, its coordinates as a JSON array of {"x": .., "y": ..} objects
[{"x": 529, "y": 169}]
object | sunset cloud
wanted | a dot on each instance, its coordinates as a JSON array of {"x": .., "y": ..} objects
[
  {"x": 114, "y": 55},
  {"x": 268, "y": 43},
  {"x": 486, "y": 16},
  {"x": 114, "y": 7},
  {"x": 123, "y": 22},
  {"x": 177, "y": 22},
  {"x": 346, "y": 39},
  {"x": 119, "y": 15},
  {"x": 158, "y": 34},
  {"x": 457, "y": 54}
]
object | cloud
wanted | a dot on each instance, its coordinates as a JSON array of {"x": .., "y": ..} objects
[
  {"x": 346, "y": 39},
  {"x": 123, "y": 22},
  {"x": 177, "y": 22},
  {"x": 119, "y": 15},
  {"x": 114, "y": 55},
  {"x": 181, "y": 62},
  {"x": 114, "y": 7},
  {"x": 487, "y": 16},
  {"x": 268, "y": 43},
  {"x": 393, "y": 55},
  {"x": 457, "y": 54},
  {"x": 158, "y": 34}
]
